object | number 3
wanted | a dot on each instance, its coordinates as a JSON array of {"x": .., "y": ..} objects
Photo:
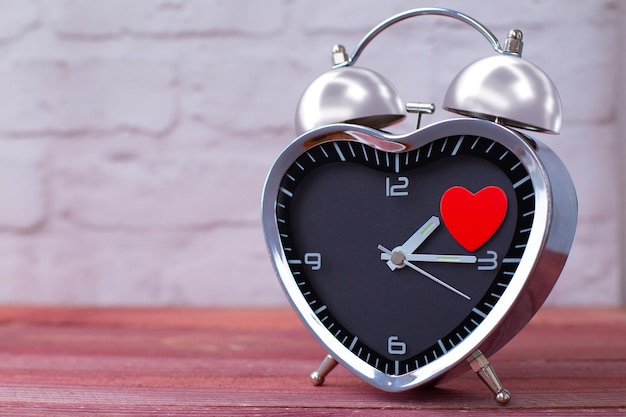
[{"x": 492, "y": 262}]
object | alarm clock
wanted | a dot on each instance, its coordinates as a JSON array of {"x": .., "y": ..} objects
[{"x": 413, "y": 257}]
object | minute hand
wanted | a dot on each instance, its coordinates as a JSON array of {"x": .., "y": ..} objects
[
  {"x": 416, "y": 239},
  {"x": 425, "y": 257}
]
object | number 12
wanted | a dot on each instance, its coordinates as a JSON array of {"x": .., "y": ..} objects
[{"x": 396, "y": 190}]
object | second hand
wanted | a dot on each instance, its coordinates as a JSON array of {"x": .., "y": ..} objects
[{"x": 427, "y": 275}]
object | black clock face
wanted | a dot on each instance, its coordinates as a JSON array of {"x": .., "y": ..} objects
[{"x": 401, "y": 256}]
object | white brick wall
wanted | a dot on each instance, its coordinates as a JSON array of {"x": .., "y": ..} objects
[{"x": 135, "y": 136}]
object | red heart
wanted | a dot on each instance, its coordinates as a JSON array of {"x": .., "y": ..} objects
[{"x": 472, "y": 219}]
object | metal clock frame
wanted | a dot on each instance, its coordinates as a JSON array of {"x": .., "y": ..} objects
[{"x": 533, "y": 279}]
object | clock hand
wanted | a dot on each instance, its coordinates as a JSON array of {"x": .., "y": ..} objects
[
  {"x": 424, "y": 257},
  {"x": 415, "y": 240},
  {"x": 426, "y": 274},
  {"x": 438, "y": 281}
]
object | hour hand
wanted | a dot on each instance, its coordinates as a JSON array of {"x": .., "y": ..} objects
[{"x": 414, "y": 241}]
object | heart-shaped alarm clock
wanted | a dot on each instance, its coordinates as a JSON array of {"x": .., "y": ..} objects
[{"x": 412, "y": 257}]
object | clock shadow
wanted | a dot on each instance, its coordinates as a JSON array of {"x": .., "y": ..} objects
[{"x": 466, "y": 392}]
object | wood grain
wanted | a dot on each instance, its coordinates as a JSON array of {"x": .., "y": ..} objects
[{"x": 135, "y": 361}]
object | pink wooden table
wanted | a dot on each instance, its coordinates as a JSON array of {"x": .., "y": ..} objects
[{"x": 181, "y": 362}]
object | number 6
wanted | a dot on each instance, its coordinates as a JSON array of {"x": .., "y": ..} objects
[{"x": 395, "y": 346}]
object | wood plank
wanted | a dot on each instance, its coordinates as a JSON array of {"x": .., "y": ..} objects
[{"x": 91, "y": 361}]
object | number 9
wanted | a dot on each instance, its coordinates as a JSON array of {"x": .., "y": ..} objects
[{"x": 314, "y": 260}]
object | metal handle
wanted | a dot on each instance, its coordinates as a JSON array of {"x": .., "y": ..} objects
[{"x": 495, "y": 44}]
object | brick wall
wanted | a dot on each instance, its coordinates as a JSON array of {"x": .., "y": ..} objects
[{"x": 135, "y": 136}]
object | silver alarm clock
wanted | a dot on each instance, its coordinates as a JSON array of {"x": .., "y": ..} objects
[{"x": 413, "y": 257}]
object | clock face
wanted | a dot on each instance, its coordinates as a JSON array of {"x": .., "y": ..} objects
[{"x": 395, "y": 254}]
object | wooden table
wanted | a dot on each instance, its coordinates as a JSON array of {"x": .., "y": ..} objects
[{"x": 182, "y": 362}]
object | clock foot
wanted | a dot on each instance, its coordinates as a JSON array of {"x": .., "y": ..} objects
[
  {"x": 328, "y": 364},
  {"x": 485, "y": 372}
]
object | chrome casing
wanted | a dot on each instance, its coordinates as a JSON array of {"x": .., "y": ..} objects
[{"x": 548, "y": 246}]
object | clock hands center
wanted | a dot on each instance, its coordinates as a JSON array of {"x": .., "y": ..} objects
[{"x": 420, "y": 270}]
